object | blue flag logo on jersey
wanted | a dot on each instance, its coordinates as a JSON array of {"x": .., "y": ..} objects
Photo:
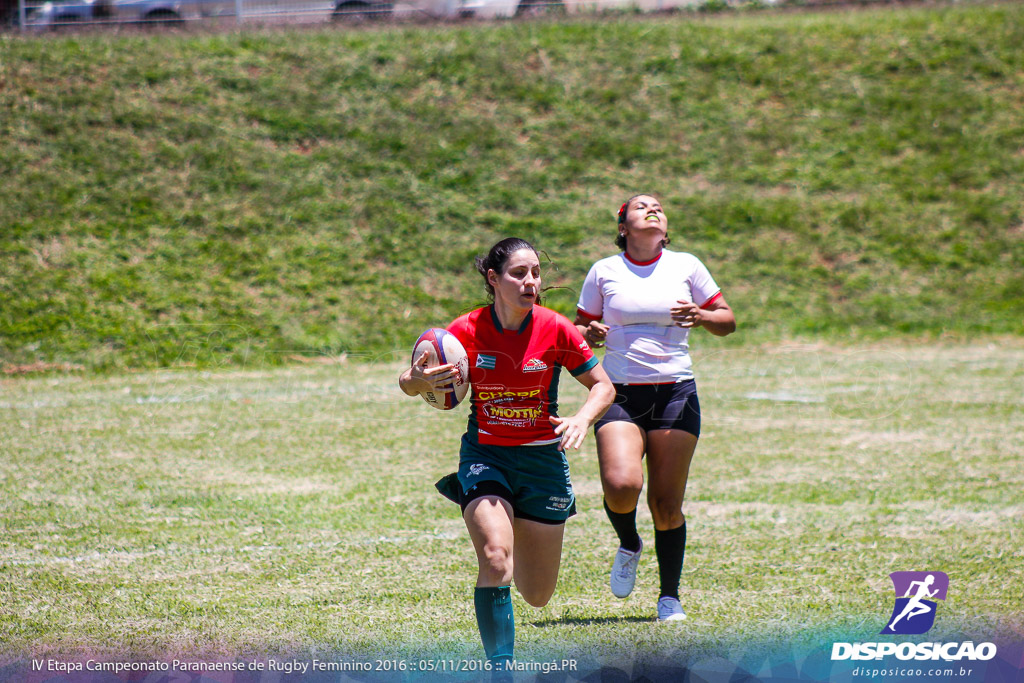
[
  {"x": 486, "y": 362},
  {"x": 916, "y": 593}
]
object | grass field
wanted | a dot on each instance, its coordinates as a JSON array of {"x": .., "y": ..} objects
[
  {"x": 854, "y": 173},
  {"x": 290, "y": 511},
  {"x": 212, "y": 243}
]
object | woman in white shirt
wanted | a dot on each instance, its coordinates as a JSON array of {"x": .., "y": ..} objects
[{"x": 642, "y": 304}]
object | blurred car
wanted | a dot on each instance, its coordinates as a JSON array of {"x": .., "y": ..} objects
[
  {"x": 377, "y": 10},
  {"x": 371, "y": 10},
  {"x": 60, "y": 14},
  {"x": 359, "y": 11}
]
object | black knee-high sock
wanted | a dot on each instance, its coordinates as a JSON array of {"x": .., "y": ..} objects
[
  {"x": 625, "y": 527},
  {"x": 670, "y": 546}
]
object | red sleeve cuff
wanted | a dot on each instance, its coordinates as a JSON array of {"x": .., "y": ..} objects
[
  {"x": 583, "y": 314},
  {"x": 711, "y": 300}
]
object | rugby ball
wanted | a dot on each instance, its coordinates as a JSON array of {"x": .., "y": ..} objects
[{"x": 443, "y": 347}]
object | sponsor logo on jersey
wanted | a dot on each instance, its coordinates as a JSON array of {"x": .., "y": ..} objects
[
  {"x": 511, "y": 415},
  {"x": 476, "y": 469},
  {"x": 486, "y": 362},
  {"x": 535, "y": 365},
  {"x": 494, "y": 393}
]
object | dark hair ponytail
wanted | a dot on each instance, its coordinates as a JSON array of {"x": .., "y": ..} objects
[
  {"x": 620, "y": 239},
  {"x": 497, "y": 259}
]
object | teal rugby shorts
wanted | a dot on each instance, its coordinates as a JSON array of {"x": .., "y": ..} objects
[{"x": 533, "y": 479}]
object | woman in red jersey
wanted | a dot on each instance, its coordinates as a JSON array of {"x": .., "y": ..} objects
[{"x": 513, "y": 481}]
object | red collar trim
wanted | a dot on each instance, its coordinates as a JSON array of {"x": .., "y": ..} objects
[{"x": 641, "y": 263}]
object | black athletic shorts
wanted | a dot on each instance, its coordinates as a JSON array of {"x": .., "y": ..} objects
[{"x": 656, "y": 406}]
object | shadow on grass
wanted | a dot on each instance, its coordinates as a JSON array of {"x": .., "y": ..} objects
[{"x": 590, "y": 621}]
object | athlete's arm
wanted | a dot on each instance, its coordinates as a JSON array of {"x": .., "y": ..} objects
[
  {"x": 715, "y": 316},
  {"x": 594, "y": 331},
  {"x": 573, "y": 429}
]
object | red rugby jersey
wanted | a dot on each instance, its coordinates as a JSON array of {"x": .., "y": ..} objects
[{"x": 514, "y": 374}]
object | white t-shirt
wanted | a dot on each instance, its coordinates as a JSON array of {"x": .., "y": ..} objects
[{"x": 634, "y": 299}]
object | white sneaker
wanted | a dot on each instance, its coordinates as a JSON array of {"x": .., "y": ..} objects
[
  {"x": 624, "y": 571},
  {"x": 669, "y": 609}
]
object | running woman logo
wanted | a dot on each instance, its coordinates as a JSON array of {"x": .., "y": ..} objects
[{"x": 916, "y": 593}]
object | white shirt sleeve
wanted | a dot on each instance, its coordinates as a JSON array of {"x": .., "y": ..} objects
[
  {"x": 591, "y": 298},
  {"x": 702, "y": 285}
]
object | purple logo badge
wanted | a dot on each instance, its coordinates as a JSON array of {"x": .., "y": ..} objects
[{"x": 916, "y": 593}]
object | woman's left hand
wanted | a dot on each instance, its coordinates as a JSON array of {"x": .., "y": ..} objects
[
  {"x": 687, "y": 314},
  {"x": 572, "y": 430}
]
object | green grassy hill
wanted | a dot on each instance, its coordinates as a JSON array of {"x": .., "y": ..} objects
[{"x": 236, "y": 198}]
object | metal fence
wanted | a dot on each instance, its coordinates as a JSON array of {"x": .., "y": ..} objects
[{"x": 64, "y": 14}]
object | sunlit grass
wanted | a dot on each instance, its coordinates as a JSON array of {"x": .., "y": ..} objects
[{"x": 255, "y": 512}]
